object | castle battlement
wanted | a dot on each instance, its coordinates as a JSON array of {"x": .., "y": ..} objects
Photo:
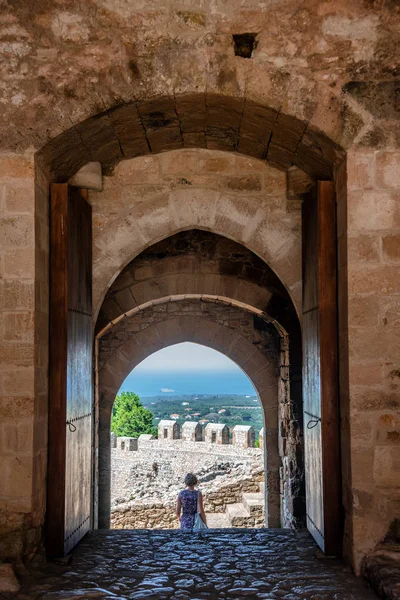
[{"x": 171, "y": 434}]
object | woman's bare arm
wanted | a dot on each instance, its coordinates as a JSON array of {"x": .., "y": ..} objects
[
  {"x": 178, "y": 508},
  {"x": 201, "y": 507}
]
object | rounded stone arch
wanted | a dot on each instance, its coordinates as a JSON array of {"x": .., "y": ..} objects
[
  {"x": 164, "y": 215},
  {"x": 261, "y": 371},
  {"x": 193, "y": 120},
  {"x": 212, "y": 285},
  {"x": 193, "y": 263}
]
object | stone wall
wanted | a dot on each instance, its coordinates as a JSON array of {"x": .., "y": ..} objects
[
  {"x": 145, "y": 483},
  {"x": 83, "y": 82},
  {"x": 158, "y": 515},
  {"x": 23, "y": 352},
  {"x": 373, "y": 246}
]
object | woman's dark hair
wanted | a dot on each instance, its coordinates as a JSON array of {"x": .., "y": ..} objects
[{"x": 191, "y": 480}]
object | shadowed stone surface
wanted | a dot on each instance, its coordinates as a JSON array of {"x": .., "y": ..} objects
[{"x": 258, "y": 564}]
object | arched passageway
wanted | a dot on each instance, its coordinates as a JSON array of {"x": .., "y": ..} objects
[
  {"x": 178, "y": 326},
  {"x": 198, "y": 413},
  {"x": 267, "y": 229},
  {"x": 200, "y": 267}
]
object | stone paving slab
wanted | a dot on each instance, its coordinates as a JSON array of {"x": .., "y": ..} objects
[{"x": 220, "y": 563}]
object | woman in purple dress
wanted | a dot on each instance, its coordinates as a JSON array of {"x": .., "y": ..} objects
[{"x": 186, "y": 507}]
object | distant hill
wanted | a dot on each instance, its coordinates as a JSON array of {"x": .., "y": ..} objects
[{"x": 224, "y": 408}]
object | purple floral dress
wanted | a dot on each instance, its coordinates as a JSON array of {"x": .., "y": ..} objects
[{"x": 188, "y": 499}]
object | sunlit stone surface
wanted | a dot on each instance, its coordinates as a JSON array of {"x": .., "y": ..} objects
[{"x": 122, "y": 565}]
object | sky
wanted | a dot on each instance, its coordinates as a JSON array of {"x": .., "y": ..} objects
[
  {"x": 187, "y": 368},
  {"x": 187, "y": 357}
]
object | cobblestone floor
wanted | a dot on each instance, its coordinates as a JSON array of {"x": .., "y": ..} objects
[{"x": 235, "y": 563}]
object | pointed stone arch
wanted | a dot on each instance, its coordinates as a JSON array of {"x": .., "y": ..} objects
[{"x": 164, "y": 215}]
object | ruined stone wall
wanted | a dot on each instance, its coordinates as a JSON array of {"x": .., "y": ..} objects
[
  {"x": 158, "y": 465},
  {"x": 156, "y": 515}
]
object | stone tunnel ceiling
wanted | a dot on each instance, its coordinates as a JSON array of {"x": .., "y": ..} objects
[{"x": 193, "y": 252}]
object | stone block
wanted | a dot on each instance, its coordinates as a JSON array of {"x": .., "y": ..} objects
[
  {"x": 17, "y": 231},
  {"x": 18, "y": 263},
  {"x": 388, "y": 429},
  {"x": 168, "y": 430},
  {"x": 261, "y": 437},
  {"x": 19, "y": 326},
  {"x": 243, "y": 436},
  {"x": 390, "y": 311},
  {"x": 365, "y": 399},
  {"x": 16, "y": 355},
  {"x": 17, "y": 437},
  {"x": 383, "y": 280},
  {"x": 363, "y": 311},
  {"x": 19, "y": 198},
  {"x": 366, "y": 373},
  {"x": 17, "y": 479},
  {"x": 373, "y": 210},
  {"x": 19, "y": 382},
  {"x": 391, "y": 247},
  {"x": 386, "y": 469},
  {"x": 192, "y": 432},
  {"x": 127, "y": 444},
  {"x": 16, "y": 167},
  {"x": 180, "y": 162},
  {"x": 216, "y": 433},
  {"x": 364, "y": 249},
  {"x": 360, "y": 170},
  {"x": 244, "y": 183},
  {"x": 113, "y": 440},
  {"x": 214, "y": 162},
  {"x": 363, "y": 428},
  {"x": 388, "y": 169}
]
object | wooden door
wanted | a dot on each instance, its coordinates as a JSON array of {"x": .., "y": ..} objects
[
  {"x": 71, "y": 395},
  {"x": 320, "y": 369}
]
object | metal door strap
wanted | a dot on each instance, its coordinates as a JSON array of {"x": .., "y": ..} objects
[{"x": 314, "y": 421}]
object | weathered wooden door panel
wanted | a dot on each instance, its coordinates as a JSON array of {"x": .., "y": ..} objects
[
  {"x": 70, "y": 414},
  {"x": 320, "y": 369}
]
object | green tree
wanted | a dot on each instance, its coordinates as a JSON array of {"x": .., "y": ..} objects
[{"x": 129, "y": 417}]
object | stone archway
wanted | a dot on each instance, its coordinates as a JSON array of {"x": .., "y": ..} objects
[
  {"x": 271, "y": 236},
  {"x": 157, "y": 218},
  {"x": 127, "y": 350},
  {"x": 199, "y": 120},
  {"x": 195, "y": 262},
  {"x": 201, "y": 266}
]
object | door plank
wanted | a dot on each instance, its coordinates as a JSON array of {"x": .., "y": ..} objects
[
  {"x": 70, "y": 424},
  {"x": 320, "y": 369}
]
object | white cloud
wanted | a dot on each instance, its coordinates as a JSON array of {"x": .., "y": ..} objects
[{"x": 166, "y": 390}]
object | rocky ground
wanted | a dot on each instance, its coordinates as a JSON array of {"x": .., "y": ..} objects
[
  {"x": 143, "y": 484},
  {"x": 156, "y": 565}
]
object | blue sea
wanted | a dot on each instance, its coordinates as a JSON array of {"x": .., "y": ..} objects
[{"x": 153, "y": 383}]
